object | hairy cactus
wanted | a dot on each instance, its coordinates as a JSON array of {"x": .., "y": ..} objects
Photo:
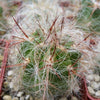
[
  {"x": 47, "y": 61},
  {"x": 51, "y": 63},
  {"x": 55, "y": 45}
]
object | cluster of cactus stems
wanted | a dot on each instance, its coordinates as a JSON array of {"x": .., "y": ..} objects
[{"x": 51, "y": 57}]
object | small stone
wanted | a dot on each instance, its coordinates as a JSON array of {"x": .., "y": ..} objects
[
  {"x": 74, "y": 98},
  {"x": 7, "y": 97},
  {"x": 21, "y": 98},
  {"x": 11, "y": 85},
  {"x": 97, "y": 94},
  {"x": 90, "y": 77},
  {"x": 27, "y": 97},
  {"x": 95, "y": 85},
  {"x": 5, "y": 84},
  {"x": 31, "y": 98},
  {"x": 20, "y": 94},
  {"x": 10, "y": 73},
  {"x": 15, "y": 98},
  {"x": 38, "y": 98},
  {"x": 64, "y": 98},
  {"x": 9, "y": 78},
  {"x": 97, "y": 78},
  {"x": 91, "y": 91}
]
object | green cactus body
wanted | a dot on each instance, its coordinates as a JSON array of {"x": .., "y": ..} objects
[
  {"x": 47, "y": 73},
  {"x": 89, "y": 17}
]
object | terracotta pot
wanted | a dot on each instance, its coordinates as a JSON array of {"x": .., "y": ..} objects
[
  {"x": 3, "y": 66},
  {"x": 84, "y": 90}
]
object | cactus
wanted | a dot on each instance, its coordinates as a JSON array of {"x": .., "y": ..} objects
[
  {"x": 53, "y": 47},
  {"x": 48, "y": 59},
  {"x": 49, "y": 63}
]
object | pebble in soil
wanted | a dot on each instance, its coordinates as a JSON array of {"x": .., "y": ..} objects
[
  {"x": 93, "y": 83},
  {"x": 13, "y": 95},
  {"x": 9, "y": 97}
]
